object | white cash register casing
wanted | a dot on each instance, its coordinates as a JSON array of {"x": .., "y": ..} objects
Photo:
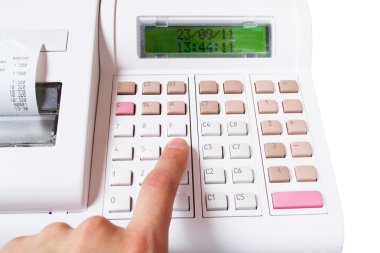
[
  {"x": 49, "y": 178},
  {"x": 54, "y": 181}
]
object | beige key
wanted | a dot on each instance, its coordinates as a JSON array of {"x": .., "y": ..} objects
[
  {"x": 306, "y": 173},
  {"x": 151, "y": 88},
  {"x": 151, "y": 108},
  {"x": 235, "y": 107},
  {"x": 267, "y": 106},
  {"x": 288, "y": 86},
  {"x": 292, "y": 106},
  {"x": 301, "y": 149},
  {"x": 271, "y": 127},
  {"x": 126, "y": 88},
  {"x": 233, "y": 87},
  {"x": 176, "y": 88},
  {"x": 274, "y": 150},
  {"x": 208, "y": 87},
  {"x": 176, "y": 108},
  {"x": 296, "y": 127},
  {"x": 264, "y": 86},
  {"x": 279, "y": 174},
  {"x": 209, "y": 107}
]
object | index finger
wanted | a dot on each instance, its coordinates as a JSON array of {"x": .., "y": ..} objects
[{"x": 155, "y": 202}]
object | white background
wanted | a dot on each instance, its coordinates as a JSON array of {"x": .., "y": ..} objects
[{"x": 346, "y": 74}]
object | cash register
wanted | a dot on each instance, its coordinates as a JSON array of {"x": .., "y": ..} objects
[{"x": 91, "y": 92}]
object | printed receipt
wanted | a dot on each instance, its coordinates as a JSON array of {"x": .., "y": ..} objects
[{"x": 18, "y": 67}]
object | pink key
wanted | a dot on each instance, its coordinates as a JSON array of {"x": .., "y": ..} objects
[
  {"x": 125, "y": 108},
  {"x": 297, "y": 199}
]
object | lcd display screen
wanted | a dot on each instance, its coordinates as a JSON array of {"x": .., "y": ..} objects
[{"x": 207, "y": 41}]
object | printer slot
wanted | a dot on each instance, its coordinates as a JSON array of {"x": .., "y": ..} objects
[{"x": 36, "y": 130}]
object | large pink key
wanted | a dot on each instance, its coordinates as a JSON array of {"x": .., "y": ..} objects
[
  {"x": 125, "y": 108},
  {"x": 297, "y": 199}
]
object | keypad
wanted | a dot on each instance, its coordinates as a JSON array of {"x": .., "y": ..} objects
[
  {"x": 249, "y": 136},
  {"x": 289, "y": 160},
  {"x": 147, "y": 111},
  {"x": 228, "y": 154}
]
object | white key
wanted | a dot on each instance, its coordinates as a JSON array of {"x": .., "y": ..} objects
[
  {"x": 123, "y": 129},
  {"x": 177, "y": 129},
  {"x": 121, "y": 177},
  {"x": 122, "y": 153},
  {"x": 184, "y": 178},
  {"x": 150, "y": 129},
  {"x": 214, "y": 176},
  {"x": 212, "y": 151},
  {"x": 235, "y": 128},
  {"x": 242, "y": 175},
  {"x": 216, "y": 201},
  {"x": 120, "y": 204},
  {"x": 142, "y": 173},
  {"x": 211, "y": 128},
  {"x": 150, "y": 152},
  {"x": 240, "y": 151},
  {"x": 245, "y": 201},
  {"x": 181, "y": 203}
]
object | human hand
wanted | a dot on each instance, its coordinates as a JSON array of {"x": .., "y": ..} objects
[{"x": 147, "y": 231}]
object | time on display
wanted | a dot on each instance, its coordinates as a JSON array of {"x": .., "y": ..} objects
[{"x": 205, "y": 40}]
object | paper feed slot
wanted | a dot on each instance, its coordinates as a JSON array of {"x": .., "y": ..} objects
[{"x": 34, "y": 130}]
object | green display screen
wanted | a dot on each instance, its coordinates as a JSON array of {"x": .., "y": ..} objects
[{"x": 207, "y": 41}]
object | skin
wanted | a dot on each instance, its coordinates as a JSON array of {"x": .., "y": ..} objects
[{"x": 147, "y": 230}]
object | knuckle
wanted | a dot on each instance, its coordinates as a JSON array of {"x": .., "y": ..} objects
[
  {"x": 93, "y": 224},
  {"x": 161, "y": 179},
  {"x": 14, "y": 243},
  {"x": 56, "y": 227}
]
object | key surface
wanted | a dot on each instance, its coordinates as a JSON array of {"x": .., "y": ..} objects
[
  {"x": 292, "y": 106},
  {"x": 288, "y": 86},
  {"x": 296, "y": 127},
  {"x": 264, "y": 87},
  {"x": 241, "y": 175},
  {"x": 240, "y": 151},
  {"x": 279, "y": 174},
  {"x": 176, "y": 108},
  {"x": 297, "y": 199},
  {"x": 237, "y": 128},
  {"x": 214, "y": 175},
  {"x": 211, "y": 128},
  {"x": 216, "y": 201},
  {"x": 271, "y": 127},
  {"x": 209, "y": 107},
  {"x": 126, "y": 88},
  {"x": 176, "y": 88},
  {"x": 245, "y": 201},
  {"x": 233, "y": 87},
  {"x": 121, "y": 177},
  {"x": 120, "y": 203},
  {"x": 125, "y": 108},
  {"x": 301, "y": 149},
  {"x": 212, "y": 151},
  {"x": 274, "y": 150},
  {"x": 123, "y": 129},
  {"x": 235, "y": 107},
  {"x": 306, "y": 173},
  {"x": 208, "y": 87},
  {"x": 267, "y": 106},
  {"x": 151, "y": 88}
]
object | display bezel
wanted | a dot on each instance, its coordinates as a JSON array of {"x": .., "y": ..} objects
[{"x": 161, "y": 21}]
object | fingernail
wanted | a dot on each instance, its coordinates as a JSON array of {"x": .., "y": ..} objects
[{"x": 177, "y": 143}]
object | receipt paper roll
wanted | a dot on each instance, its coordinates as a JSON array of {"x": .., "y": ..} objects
[{"x": 18, "y": 67}]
